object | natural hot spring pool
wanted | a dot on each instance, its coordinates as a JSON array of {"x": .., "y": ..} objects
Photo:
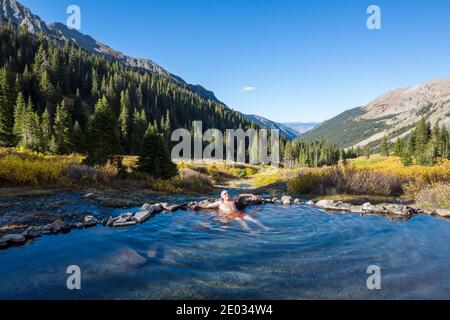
[{"x": 306, "y": 254}]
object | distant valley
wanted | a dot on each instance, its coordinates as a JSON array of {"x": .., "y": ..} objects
[{"x": 290, "y": 131}]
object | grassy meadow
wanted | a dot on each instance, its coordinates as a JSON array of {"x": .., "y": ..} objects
[{"x": 375, "y": 178}]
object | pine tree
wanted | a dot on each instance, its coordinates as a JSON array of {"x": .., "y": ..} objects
[
  {"x": 422, "y": 137},
  {"x": 62, "y": 129},
  {"x": 155, "y": 156},
  {"x": 19, "y": 112},
  {"x": 399, "y": 147},
  {"x": 289, "y": 155},
  {"x": 103, "y": 140},
  {"x": 31, "y": 133},
  {"x": 367, "y": 152},
  {"x": 406, "y": 157},
  {"x": 46, "y": 131},
  {"x": 445, "y": 143},
  {"x": 139, "y": 127},
  {"x": 124, "y": 119},
  {"x": 6, "y": 110},
  {"x": 384, "y": 147},
  {"x": 78, "y": 138},
  {"x": 77, "y": 111}
]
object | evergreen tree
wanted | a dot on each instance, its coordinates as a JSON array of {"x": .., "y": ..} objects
[
  {"x": 289, "y": 155},
  {"x": 139, "y": 128},
  {"x": 46, "y": 131},
  {"x": 6, "y": 110},
  {"x": 62, "y": 129},
  {"x": 367, "y": 152},
  {"x": 78, "y": 138},
  {"x": 444, "y": 141},
  {"x": 422, "y": 147},
  {"x": 155, "y": 156},
  {"x": 103, "y": 140},
  {"x": 19, "y": 112},
  {"x": 31, "y": 134},
  {"x": 124, "y": 119},
  {"x": 384, "y": 147},
  {"x": 406, "y": 157},
  {"x": 399, "y": 147}
]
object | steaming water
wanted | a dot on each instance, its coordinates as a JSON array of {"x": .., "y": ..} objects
[{"x": 305, "y": 254}]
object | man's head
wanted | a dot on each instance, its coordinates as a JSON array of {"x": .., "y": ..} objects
[{"x": 225, "y": 196}]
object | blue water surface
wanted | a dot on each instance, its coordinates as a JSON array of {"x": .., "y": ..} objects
[{"x": 304, "y": 254}]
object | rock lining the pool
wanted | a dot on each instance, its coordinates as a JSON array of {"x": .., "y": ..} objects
[{"x": 393, "y": 210}]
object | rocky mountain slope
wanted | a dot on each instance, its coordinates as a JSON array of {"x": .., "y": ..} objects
[
  {"x": 262, "y": 122},
  {"x": 392, "y": 114},
  {"x": 12, "y": 10},
  {"x": 301, "y": 127}
]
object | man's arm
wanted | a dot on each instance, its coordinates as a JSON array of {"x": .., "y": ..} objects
[
  {"x": 214, "y": 205},
  {"x": 247, "y": 195}
]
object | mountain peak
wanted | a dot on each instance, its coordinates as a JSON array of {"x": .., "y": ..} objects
[
  {"x": 392, "y": 114},
  {"x": 12, "y": 10}
]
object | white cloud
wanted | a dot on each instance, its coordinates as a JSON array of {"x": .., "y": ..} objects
[{"x": 247, "y": 89}]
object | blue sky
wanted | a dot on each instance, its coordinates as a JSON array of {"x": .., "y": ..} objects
[{"x": 285, "y": 60}]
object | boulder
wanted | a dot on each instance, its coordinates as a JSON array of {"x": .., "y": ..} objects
[
  {"x": 297, "y": 201},
  {"x": 110, "y": 222},
  {"x": 326, "y": 204},
  {"x": 334, "y": 205},
  {"x": 143, "y": 216},
  {"x": 145, "y": 207},
  {"x": 310, "y": 203},
  {"x": 78, "y": 225},
  {"x": 286, "y": 200},
  {"x": 31, "y": 234},
  {"x": 172, "y": 208},
  {"x": 400, "y": 210},
  {"x": 121, "y": 223},
  {"x": 369, "y": 208},
  {"x": 358, "y": 210},
  {"x": 15, "y": 238},
  {"x": 90, "y": 221},
  {"x": 443, "y": 213}
]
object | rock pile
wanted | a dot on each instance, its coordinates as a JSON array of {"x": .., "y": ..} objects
[{"x": 398, "y": 210}]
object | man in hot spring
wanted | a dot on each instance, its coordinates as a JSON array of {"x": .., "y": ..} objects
[{"x": 228, "y": 210}]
